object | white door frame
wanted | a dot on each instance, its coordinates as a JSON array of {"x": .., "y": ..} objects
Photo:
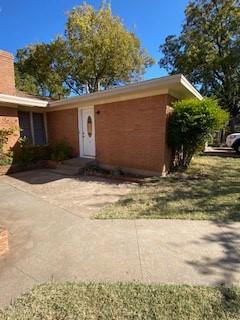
[{"x": 81, "y": 134}]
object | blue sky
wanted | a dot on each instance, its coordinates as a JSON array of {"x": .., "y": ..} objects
[{"x": 29, "y": 21}]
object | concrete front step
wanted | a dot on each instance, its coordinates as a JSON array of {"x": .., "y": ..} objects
[
  {"x": 67, "y": 170},
  {"x": 73, "y": 167},
  {"x": 79, "y": 162}
]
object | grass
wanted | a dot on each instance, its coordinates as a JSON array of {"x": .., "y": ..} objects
[
  {"x": 209, "y": 190},
  {"x": 125, "y": 301}
]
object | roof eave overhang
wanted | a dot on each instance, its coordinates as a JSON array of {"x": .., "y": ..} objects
[
  {"x": 15, "y": 101},
  {"x": 187, "y": 85},
  {"x": 176, "y": 85}
]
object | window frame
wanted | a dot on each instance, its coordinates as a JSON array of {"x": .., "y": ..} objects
[{"x": 32, "y": 125}]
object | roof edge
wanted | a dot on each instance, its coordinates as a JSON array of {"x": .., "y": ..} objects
[
  {"x": 5, "y": 98},
  {"x": 143, "y": 86},
  {"x": 156, "y": 83},
  {"x": 190, "y": 87}
]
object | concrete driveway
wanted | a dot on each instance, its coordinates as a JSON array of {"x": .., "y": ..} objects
[
  {"x": 52, "y": 238},
  {"x": 79, "y": 195}
]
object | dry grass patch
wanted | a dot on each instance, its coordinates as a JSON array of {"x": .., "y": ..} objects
[
  {"x": 125, "y": 301},
  {"x": 209, "y": 190}
]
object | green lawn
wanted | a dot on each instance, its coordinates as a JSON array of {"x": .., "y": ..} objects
[
  {"x": 125, "y": 301},
  {"x": 209, "y": 190}
]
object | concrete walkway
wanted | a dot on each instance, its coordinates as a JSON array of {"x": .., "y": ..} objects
[{"x": 50, "y": 242}]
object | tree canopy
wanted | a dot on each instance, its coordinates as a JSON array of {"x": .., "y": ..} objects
[
  {"x": 208, "y": 50},
  {"x": 96, "y": 52},
  {"x": 39, "y": 70}
]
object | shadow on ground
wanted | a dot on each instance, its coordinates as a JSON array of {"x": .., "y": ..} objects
[
  {"x": 209, "y": 190},
  {"x": 227, "y": 266},
  {"x": 44, "y": 176}
]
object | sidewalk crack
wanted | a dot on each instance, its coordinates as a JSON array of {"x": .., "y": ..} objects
[
  {"x": 138, "y": 248},
  {"x": 26, "y": 274}
]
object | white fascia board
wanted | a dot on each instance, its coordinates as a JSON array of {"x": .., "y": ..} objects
[
  {"x": 190, "y": 87},
  {"x": 155, "y": 84},
  {"x": 158, "y": 83},
  {"x": 4, "y": 98}
]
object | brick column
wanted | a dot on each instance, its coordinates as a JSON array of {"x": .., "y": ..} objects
[{"x": 7, "y": 77}]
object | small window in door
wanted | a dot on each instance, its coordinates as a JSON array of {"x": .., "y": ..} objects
[{"x": 89, "y": 126}]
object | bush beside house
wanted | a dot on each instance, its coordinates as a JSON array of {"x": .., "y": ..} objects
[
  {"x": 25, "y": 155},
  {"x": 190, "y": 125},
  {"x": 5, "y": 154}
]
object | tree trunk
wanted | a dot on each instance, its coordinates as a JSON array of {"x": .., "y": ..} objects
[{"x": 232, "y": 124}]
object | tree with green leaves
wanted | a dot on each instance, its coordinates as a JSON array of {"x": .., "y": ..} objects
[
  {"x": 38, "y": 70},
  {"x": 95, "y": 53},
  {"x": 190, "y": 124},
  {"x": 208, "y": 50}
]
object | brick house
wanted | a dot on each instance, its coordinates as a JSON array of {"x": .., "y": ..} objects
[{"x": 122, "y": 127}]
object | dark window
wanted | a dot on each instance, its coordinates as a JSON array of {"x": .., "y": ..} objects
[
  {"x": 37, "y": 124},
  {"x": 39, "y": 128},
  {"x": 25, "y": 125}
]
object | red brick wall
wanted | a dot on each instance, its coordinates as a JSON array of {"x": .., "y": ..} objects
[
  {"x": 168, "y": 150},
  {"x": 132, "y": 133},
  {"x": 8, "y": 120},
  {"x": 7, "y": 78},
  {"x": 63, "y": 125}
]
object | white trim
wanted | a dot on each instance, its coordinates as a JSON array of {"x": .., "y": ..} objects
[
  {"x": 190, "y": 87},
  {"x": 23, "y": 101},
  {"x": 80, "y": 132},
  {"x": 144, "y": 88},
  {"x": 148, "y": 84},
  {"x": 177, "y": 84},
  {"x": 107, "y": 100}
]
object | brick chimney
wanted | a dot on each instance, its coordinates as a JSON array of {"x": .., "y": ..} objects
[{"x": 7, "y": 77}]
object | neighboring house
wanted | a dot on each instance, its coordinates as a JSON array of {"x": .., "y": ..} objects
[{"x": 123, "y": 127}]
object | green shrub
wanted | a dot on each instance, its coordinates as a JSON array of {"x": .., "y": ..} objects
[
  {"x": 190, "y": 125},
  {"x": 28, "y": 153},
  {"x": 61, "y": 151},
  {"x": 6, "y": 156}
]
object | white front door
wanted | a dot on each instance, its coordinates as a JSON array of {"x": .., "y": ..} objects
[{"x": 87, "y": 132}]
